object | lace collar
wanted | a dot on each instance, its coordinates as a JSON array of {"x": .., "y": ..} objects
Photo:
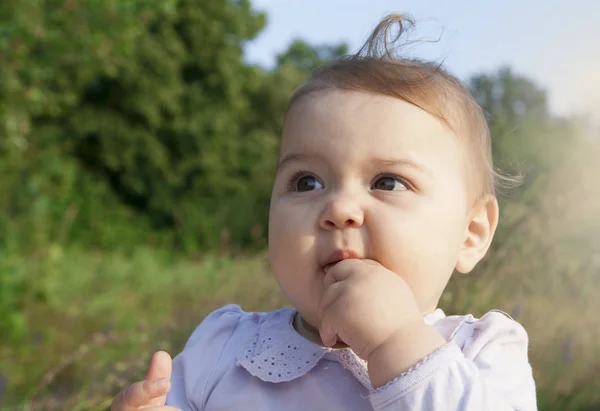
[{"x": 277, "y": 353}]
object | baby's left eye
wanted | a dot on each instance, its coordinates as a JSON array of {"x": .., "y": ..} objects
[{"x": 388, "y": 183}]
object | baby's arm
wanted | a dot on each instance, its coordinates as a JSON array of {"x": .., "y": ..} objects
[{"x": 490, "y": 372}]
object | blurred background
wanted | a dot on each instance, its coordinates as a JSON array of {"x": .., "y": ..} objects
[{"x": 137, "y": 145}]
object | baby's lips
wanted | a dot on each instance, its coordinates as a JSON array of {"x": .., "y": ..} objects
[{"x": 329, "y": 266}]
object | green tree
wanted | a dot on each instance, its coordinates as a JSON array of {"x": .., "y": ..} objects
[
  {"x": 133, "y": 122},
  {"x": 306, "y": 58}
]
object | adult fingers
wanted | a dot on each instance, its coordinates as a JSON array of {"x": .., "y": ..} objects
[
  {"x": 160, "y": 368},
  {"x": 140, "y": 394}
]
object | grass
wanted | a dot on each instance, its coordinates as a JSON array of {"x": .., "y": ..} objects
[{"x": 106, "y": 314}]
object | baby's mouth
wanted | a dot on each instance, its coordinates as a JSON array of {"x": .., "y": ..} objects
[{"x": 339, "y": 255}]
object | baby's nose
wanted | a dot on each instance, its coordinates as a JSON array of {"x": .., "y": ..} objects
[{"x": 342, "y": 213}]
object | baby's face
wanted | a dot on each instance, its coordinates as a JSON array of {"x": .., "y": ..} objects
[{"x": 372, "y": 177}]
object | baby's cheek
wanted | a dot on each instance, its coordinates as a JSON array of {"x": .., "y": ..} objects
[
  {"x": 290, "y": 240},
  {"x": 278, "y": 220}
]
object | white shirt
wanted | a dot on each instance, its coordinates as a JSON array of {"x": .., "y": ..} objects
[{"x": 256, "y": 361}]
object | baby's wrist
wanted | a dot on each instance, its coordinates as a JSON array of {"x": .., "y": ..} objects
[{"x": 401, "y": 351}]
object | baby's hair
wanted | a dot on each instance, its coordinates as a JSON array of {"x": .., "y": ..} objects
[{"x": 377, "y": 68}]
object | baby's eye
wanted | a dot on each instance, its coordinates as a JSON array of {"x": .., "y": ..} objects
[
  {"x": 388, "y": 183},
  {"x": 307, "y": 183}
]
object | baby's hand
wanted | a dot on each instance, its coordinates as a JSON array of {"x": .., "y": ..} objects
[
  {"x": 364, "y": 304},
  {"x": 151, "y": 393},
  {"x": 375, "y": 312}
]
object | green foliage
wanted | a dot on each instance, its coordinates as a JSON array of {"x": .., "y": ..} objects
[
  {"x": 307, "y": 58},
  {"x": 136, "y": 122},
  {"x": 134, "y": 138},
  {"x": 90, "y": 338}
]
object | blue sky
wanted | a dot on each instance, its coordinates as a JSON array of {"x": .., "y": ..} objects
[{"x": 555, "y": 42}]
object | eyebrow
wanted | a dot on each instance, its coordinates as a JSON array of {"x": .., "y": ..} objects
[
  {"x": 379, "y": 162},
  {"x": 291, "y": 158},
  {"x": 402, "y": 162}
]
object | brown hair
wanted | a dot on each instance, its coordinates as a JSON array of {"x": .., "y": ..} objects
[{"x": 376, "y": 69}]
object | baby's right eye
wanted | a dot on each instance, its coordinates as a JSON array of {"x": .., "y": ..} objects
[{"x": 305, "y": 182}]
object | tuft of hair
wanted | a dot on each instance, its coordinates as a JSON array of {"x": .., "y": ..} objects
[{"x": 379, "y": 68}]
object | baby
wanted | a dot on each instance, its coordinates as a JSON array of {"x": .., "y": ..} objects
[{"x": 384, "y": 187}]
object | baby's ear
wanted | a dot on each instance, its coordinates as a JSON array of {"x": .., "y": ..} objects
[{"x": 481, "y": 227}]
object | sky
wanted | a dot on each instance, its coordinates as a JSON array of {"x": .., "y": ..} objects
[{"x": 554, "y": 42}]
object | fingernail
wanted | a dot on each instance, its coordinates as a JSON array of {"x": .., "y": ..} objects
[{"x": 325, "y": 339}]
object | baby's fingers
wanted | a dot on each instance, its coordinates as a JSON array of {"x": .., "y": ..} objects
[
  {"x": 140, "y": 394},
  {"x": 329, "y": 313},
  {"x": 327, "y": 333}
]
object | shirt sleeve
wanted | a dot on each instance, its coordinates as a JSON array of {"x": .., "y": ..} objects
[
  {"x": 487, "y": 370},
  {"x": 194, "y": 366}
]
